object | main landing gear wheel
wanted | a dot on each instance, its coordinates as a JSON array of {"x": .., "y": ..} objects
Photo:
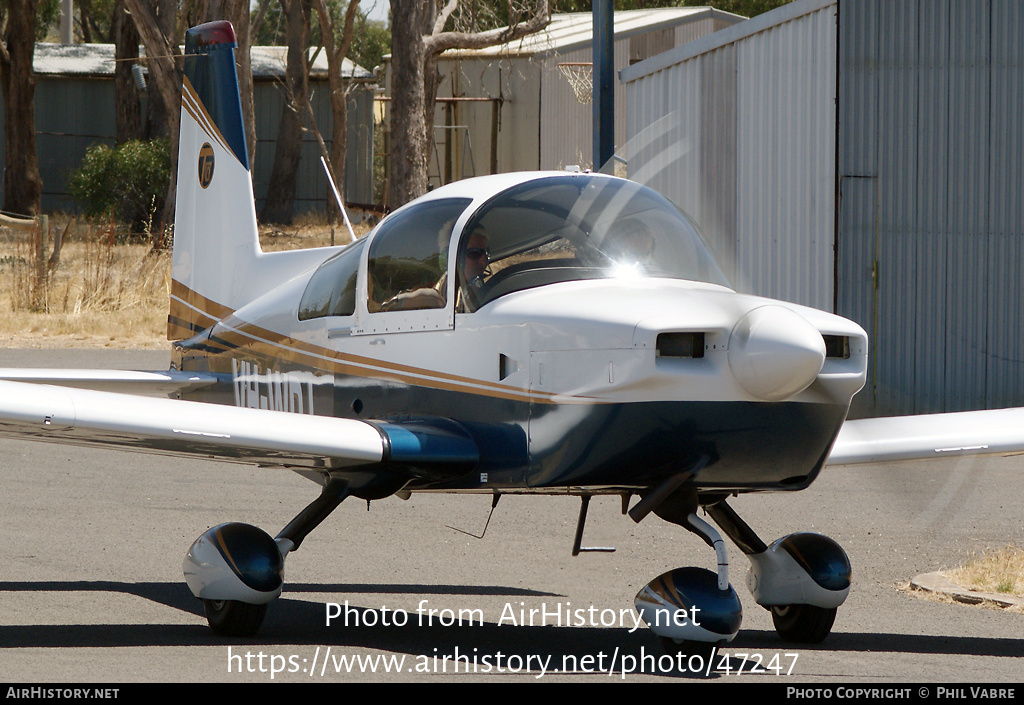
[
  {"x": 803, "y": 624},
  {"x": 687, "y": 648},
  {"x": 234, "y": 618},
  {"x": 236, "y": 569}
]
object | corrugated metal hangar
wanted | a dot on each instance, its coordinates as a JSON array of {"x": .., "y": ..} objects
[{"x": 862, "y": 156}]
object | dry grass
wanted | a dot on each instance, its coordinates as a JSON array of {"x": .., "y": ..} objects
[
  {"x": 997, "y": 571},
  {"x": 100, "y": 294},
  {"x": 104, "y": 294}
]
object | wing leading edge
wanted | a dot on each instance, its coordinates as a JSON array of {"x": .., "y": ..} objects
[
  {"x": 156, "y": 383},
  {"x": 185, "y": 428},
  {"x": 988, "y": 432}
]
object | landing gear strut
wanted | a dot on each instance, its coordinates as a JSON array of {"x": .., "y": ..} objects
[{"x": 691, "y": 609}]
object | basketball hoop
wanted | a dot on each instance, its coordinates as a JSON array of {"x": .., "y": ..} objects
[{"x": 580, "y": 75}]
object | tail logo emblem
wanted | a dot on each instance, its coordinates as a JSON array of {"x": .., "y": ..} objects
[{"x": 205, "y": 165}]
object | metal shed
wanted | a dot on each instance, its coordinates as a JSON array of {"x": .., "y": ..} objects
[
  {"x": 863, "y": 156},
  {"x": 514, "y": 110},
  {"x": 75, "y": 109}
]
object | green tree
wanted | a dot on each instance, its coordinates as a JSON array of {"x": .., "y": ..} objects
[
  {"x": 371, "y": 41},
  {"x": 128, "y": 182},
  {"x": 95, "y": 20}
]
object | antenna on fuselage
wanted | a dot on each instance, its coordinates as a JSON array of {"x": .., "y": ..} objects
[
  {"x": 337, "y": 197},
  {"x": 494, "y": 503}
]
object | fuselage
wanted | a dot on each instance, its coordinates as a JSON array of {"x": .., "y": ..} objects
[{"x": 570, "y": 374}]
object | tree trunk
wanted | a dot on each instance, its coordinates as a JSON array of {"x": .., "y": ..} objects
[
  {"x": 126, "y": 95},
  {"x": 23, "y": 187},
  {"x": 408, "y": 175},
  {"x": 164, "y": 104},
  {"x": 277, "y": 207},
  {"x": 417, "y": 39},
  {"x": 240, "y": 11}
]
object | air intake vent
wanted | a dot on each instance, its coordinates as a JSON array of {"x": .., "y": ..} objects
[
  {"x": 837, "y": 346},
  {"x": 680, "y": 345}
]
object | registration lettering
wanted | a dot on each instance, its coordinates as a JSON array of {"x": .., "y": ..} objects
[{"x": 265, "y": 388}]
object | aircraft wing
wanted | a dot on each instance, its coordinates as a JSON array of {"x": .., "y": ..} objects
[
  {"x": 987, "y": 432},
  {"x": 159, "y": 383},
  {"x": 186, "y": 428}
]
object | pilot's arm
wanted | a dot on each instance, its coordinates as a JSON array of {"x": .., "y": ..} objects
[{"x": 426, "y": 297}]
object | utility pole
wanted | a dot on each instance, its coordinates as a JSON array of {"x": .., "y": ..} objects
[
  {"x": 67, "y": 21},
  {"x": 604, "y": 82}
]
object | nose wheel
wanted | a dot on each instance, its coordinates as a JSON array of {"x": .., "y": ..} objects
[
  {"x": 801, "y": 579},
  {"x": 803, "y": 624}
]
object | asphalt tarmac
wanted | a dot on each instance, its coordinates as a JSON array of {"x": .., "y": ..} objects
[{"x": 92, "y": 588}]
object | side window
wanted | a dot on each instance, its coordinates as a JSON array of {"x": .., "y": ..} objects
[
  {"x": 332, "y": 288},
  {"x": 408, "y": 260}
]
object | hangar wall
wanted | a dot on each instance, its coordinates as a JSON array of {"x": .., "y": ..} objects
[
  {"x": 931, "y": 95},
  {"x": 744, "y": 141},
  {"x": 898, "y": 206}
]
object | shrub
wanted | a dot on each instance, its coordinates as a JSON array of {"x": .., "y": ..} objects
[{"x": 127, "y": 183}]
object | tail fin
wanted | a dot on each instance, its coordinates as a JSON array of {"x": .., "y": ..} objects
[
  {"x": 215, "y": 236},
  {"x": 218, "y": 266}
]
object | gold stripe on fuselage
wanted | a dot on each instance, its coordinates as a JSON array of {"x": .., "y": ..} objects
[
  {"x": 191, "y": 313},
  {"x": 235, "y": 333}
]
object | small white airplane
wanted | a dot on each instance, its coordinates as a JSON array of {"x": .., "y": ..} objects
[{"x": 549, "y": 333}]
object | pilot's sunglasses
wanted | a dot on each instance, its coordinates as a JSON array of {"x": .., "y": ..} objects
[{"x": 478, "y": 253}]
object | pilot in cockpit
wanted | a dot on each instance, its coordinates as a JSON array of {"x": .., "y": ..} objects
[
  {"x": 473, "y": 272},
  {"x": 633, "y": 245},
  {"x": 477, "y": 259}
]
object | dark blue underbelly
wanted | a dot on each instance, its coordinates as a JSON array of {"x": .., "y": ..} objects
[{"x": 524, "y": 445}]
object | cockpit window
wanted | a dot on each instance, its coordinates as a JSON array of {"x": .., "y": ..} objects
[
  {"x": 567, "y": 228},
  {"x": 332, "y": 288},
  {"x": 408, "y": 260}
]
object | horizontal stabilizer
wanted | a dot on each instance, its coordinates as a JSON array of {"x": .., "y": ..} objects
[{"x": 989, "y": 432}]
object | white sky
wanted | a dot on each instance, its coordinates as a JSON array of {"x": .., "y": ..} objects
[{"x": 376, "y": 9}]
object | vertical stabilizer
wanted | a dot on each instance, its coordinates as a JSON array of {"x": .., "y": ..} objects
[{"x": 216, "y": 242}]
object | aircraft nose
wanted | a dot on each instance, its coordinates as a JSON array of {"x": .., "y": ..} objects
[{"x": 775, "y": 353}]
